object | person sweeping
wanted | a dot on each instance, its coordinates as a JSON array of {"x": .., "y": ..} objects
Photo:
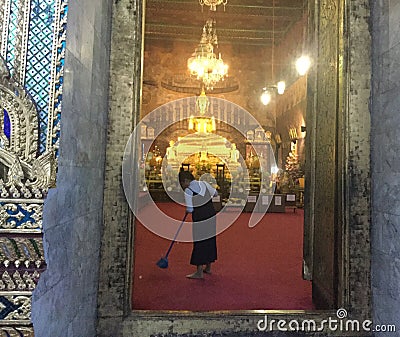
[{"x": 198, "y": 200}]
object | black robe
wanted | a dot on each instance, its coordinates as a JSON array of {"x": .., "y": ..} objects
[{"x": 204, "y": 230}]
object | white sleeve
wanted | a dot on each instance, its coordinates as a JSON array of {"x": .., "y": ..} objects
[
  {"x": 189, "y": 200},
  {"x": 212, "y": 190}
]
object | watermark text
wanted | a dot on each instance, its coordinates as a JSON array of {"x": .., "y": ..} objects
[{"x": 338, "y": 323}]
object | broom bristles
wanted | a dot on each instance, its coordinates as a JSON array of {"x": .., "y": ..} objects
[{"x": 162, "y": 263}]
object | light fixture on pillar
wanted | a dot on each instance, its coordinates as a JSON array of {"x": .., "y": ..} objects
[
  {"x": 212, "y": 4},
  {"x": 303, "y": 63},
  {"x": 269, "y": 91},
  {"x": 265, "y": 97},
  {"x": 204, "y": 63},
  {"x": 281, "y": 86}
]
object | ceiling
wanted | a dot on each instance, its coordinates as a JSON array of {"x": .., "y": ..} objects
[{"x": 246, "y": 22}]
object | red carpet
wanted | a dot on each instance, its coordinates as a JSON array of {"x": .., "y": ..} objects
[{"x": 257, "y": 268}]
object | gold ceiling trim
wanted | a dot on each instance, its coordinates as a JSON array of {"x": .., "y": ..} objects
[
  {"x": 256, "y": 10},
  {"x": 187, "y": 85},
  {"x": 158, "y": 32},
  {"x": 253, "y": 23}
]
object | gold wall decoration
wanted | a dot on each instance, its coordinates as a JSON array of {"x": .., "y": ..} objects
[
  {"x": 32, "y": 52},
  {"x": 25, "y": 177},
  {"x": 21, "y": 301}
]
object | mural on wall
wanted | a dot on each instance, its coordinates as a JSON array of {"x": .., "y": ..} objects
[{"x": 32, "y": 49}]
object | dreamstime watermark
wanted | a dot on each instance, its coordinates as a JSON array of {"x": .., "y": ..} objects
[
  {"x": 339, "y": 323},
  {"x": 137, "y": 175}
]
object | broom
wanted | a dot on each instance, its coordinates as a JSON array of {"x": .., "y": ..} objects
[{"x": 163, "y": 262}]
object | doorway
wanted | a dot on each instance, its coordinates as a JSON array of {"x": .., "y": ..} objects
[
  {"x": 256, "y": 52},
  {"x": 351, "y": 165}
]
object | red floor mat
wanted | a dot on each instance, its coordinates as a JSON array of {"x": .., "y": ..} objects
[{"x": 257, "y": 268}]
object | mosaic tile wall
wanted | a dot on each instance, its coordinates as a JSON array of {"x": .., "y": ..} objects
[{"x": 32, "y": 49}]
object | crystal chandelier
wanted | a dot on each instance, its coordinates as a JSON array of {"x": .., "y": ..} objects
[
  {"x": 204, "y": 63},
  {"x": 212, "y": 4}
]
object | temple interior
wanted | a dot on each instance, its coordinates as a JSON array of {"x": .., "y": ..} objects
[{"x": 229, "y": 131}]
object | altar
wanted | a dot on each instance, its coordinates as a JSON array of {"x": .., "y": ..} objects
[{"x": 205, "y": 149}]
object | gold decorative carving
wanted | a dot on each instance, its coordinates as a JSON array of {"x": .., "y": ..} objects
[
  {"x": 18, "y": 281},
  {"x": 25, "y": 176},
  {"x": 21, "y": 192},
  {"x": 15, "y": 174},
  {"x": 19, "y": 153},
  {"x": 16, "y": 331},
  {"x": 18, "y": 252},
  {"x": 13, "y": 213},
  {"x": 328, "y": 10},
  {"x": 22, "y": 300}
]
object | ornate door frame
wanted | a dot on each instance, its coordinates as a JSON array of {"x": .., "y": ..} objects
[{"x": 351, "y": 185}]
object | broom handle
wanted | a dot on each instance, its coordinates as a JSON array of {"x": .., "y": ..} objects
[{"x": 176, "y": 234}]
